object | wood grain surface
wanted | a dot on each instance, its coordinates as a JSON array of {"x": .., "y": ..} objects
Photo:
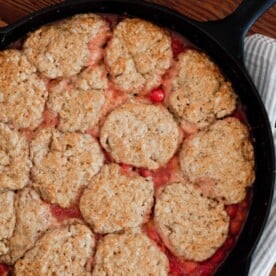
[{"x": 13, "y": 10}]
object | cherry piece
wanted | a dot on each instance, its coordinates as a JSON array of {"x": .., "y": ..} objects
[
  {"x": 235, "y": 227},
  {"x": 145, "y": 172},
  {"x": 228, "y": 244},
  {"x": 177, "y": 46},
  {"x": 232, "y": 210},
  {"x": 126, "y": 168},
  {"x": 157, "y": 95},
  {"x": 218, "y": 256},
  {"x": 205, "y": 269}
]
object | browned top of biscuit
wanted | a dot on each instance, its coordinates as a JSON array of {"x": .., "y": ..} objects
[
  {"x": 78, "y": 103},
  {"x": 129, "y": 253},
  {"x": 64, "y": 48},
  {"x": 14, "y": 159},
  {"x": 138, "y": 55},
  {"x": 198, "y": 93},
  {"x": 64, "y": 163},
  {"x": 220, "y": 160},
  {"x": 191, "y": 225},
  {"x": 115, "y": 201},
  {"x": 140, "y": 134},
  {"x": 22, "y": 93},
  {"x": 33, "y": 218},
  {"x": 64, "y": 250}
]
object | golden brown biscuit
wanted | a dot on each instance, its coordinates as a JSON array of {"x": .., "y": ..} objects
[
  {"x": 14, "y": 159},
  {"x": 140, "y": 134},
  {"x": 33, "y": 218},
  {"x": 78, "y": 104},
  {"x": 115, "y": 201},
  {"x": 192, "y": 226},
  {"x": 197, "y": 92},
  {"x": 220, "y": 160},
  {"x": 64, "y": 163},
  {"x": 138, "y": 55},
  {"x": 66, "y": 250},
  {"x": 7, "y": 220},
  {"x": 22, "y": 93},
  {"x": 64, "y": 48},
  {"x": 129, "y": 253}
]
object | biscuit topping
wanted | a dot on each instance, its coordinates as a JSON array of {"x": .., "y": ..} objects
[
  {"x": 141, "y": 135},
  {"x": 64, "y": 163}
]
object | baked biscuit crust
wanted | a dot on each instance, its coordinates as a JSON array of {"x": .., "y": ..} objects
[
  {"x": 198, "y": 93},
  {"x": 64, "y": 48},
  {"x": 14, "y": 159},
  {"x": 62, "y": 251},
  {"x": 129, "y": 253},
  {"x": 78, "y": 104},
  {"x": 138, "y": 55},
  {"x": 192, "y": 226},
  {"x": 64, "y": 163},
  {"x": 33, "y": 218},
  {"x": 7, "y": 220},
  {"x": 115, "y": 201},
  {"x": 220, "y": 160},
  {"x": 22, "y": 93},
  {"x": 140, "y": 134}
]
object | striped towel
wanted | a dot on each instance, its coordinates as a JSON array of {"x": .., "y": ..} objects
[{"x": 260, "y": 60}]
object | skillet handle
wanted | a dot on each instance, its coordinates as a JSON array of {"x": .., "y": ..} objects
[
  {"x": 231, "y": 30},
  {"x": 3, "y": 31}
]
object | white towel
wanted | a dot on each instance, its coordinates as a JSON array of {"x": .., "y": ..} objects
[{"x": 260, "y": 60}]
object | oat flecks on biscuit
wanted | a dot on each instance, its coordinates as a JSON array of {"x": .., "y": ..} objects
[
  {"x": 7, "y": 220},
  {"x": 78, "y": 104},
  {"x": 115, "y": 201},
  {"x": 33, "y": 218},
  {"x": 22, "y": 93},
  {"x": 140, "y": 134},
  {"x": 220, "y": 160},
  {"x": 129, "y": 253},
  {"x": 197, "y": 92},
  {"x": 64, "y": 48},
  {"x": 66, "y": 250},
  {"x": 64, "y": 163},
  {"x": 138, "y": 55},
  {"x": 14, "y": 159},
  {"x": 192, "y": 226}
]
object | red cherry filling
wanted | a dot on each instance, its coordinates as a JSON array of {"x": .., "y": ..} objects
[
  {"x": 145, "y": 172},
  {"x": 65, "y": 213},
  {"x": 232, "y": 210},
  {"x": 177, "y": 46},
  {"x": 157, "y": 95},
  {"x": 175, "y": 268},
  {"x": 218, "y": 257},
  {"x": 50, "y": 119},
  {"x": 3, "y": 269},
  {"x": 205, "y": 269},
  {"x": 229, "y": 243},
  {"x": 126, "y": 168},
  {"x": 240, "y": 114}
]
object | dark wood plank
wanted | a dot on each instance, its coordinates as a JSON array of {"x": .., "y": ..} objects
[
  {"x": 12, "y": 10},
  {"x": 2, "y": 23}
]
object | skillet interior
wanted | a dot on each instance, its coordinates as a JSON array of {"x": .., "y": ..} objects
[{"x": 238, "y": 260}]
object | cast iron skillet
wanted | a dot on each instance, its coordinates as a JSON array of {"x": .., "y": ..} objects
[{"x": 223, "y": 41}]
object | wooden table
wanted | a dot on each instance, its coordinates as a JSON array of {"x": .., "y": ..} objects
[{"x": 12, "y": 10}]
